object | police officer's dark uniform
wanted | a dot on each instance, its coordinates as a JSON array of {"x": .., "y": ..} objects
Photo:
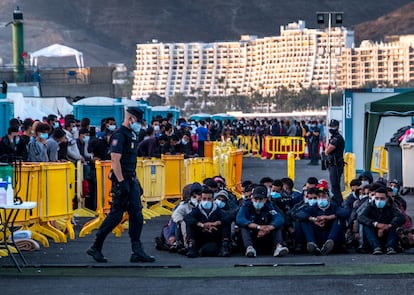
[
  {"x": 335, "y": 158},
  {"x": 126, "y": 195}
]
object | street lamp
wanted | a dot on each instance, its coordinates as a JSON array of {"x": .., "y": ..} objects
[{"x": 329, "y": 19}]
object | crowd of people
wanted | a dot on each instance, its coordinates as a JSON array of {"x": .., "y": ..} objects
[{"x": 272, "y": 217}]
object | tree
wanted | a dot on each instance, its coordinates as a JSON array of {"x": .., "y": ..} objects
[{"x": 156, "y": 100}]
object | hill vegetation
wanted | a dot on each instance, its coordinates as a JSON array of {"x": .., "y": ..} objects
[{"x": 107, "y": 31}]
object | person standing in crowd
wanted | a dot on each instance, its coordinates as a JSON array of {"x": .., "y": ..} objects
[
  {"x": 53, "y": 142},
  {"x": 314, "y": 139},
  {"x": 8, "y": 145},
  {"x": 25, "y": 137},
  {"x": 126, "y": 189},
  {"x": 202, "y": 136},
  {"x": 37, "y": 148},
  {"x": 71, "y": 130},
  {"x": 335, "y": 156}
]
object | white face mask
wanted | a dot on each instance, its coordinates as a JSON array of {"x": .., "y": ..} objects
[{"x": 156, "y": 128}]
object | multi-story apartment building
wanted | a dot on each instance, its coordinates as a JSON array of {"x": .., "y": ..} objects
[
  {"x": 298, "y": 57},
  {"x": 387, "y": 63}
]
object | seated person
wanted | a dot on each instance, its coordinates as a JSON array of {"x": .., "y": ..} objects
[
  {"x": 260, "y": 225},
  {"x": 310, "y": 199},
  {"x": 380, "y": 220},
  {"x": 208, "y": 228},
  {"x": 184, "y": 208},
  {"x": 321, "y": 224}
]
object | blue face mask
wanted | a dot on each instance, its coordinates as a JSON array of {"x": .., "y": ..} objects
[
  {"x": 111, "y": 127},
  {"x": 44, "y": 135},
  {"x": 86, "y": 138},
  {"x": 258, "y": 205},
  {"x": 380, "y": 203},
  {"x": 312, "y": 202},
  {"x": 16, "y": 140},
  {"x": 136, "y": 126},
  {"x": 275, "y": 195},
  {"x": 207, "y": 204},
  {"x": 220, "y": 203},
  {"x": 56, "y": 125},
  {"x": 394, "y": 189},
  {"x": 322, "y": 203}
]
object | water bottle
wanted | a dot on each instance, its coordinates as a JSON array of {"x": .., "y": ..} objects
[
  {"x": 3, "y": 192},
  {"x": 9, "y": 192}
]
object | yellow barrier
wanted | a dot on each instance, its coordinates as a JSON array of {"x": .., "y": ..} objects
[
  {"x": 291, "y": 166},
  {"x": 349, "y": 172},
  {"x": 379, "y": 162},
  {"x": 52, "y": 186},
  {"x": 234, "y": 171},
  {"x": 154, "y": 186},
  {"x": 278, "y": 147},
  {"x": 28, "y": 189},
  {"x": 175, "y": 179}
]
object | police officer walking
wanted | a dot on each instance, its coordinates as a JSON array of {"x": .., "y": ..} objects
[
  {"x": 335, "y": 157},
  {"x": 126, "y": 190}
]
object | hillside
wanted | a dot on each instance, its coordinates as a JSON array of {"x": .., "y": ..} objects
[
  {"x": 398, "y": 22},
  {"x": 107, "y": 31}
]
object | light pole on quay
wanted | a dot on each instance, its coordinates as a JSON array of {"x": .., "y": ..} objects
[{"x": 328, "y": 19}]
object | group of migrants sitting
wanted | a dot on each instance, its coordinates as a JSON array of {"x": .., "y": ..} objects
[{"x": 274, "y": 218}]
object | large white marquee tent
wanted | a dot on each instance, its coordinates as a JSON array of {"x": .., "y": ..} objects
[{"x": 56, "y": 50}]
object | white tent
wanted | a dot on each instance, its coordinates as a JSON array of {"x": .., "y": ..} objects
[{"x": 56, "y": 50}]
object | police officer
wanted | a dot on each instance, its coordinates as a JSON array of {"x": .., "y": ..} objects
[
  {"x": 126, "y": 190},
  {"x": 335, "y": 156}
]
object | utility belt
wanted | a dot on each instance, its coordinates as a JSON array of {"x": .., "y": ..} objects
[
  {"x": 334, "y": 161},
  {"x": 127, "y": 176}
]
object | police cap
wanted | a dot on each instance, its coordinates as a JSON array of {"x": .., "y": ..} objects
[
  {"x": 333, "y": 123},
  {"x": 135, "y": 111}
]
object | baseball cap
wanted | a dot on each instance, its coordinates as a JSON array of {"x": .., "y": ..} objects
[{"x": 259, "y": 192}]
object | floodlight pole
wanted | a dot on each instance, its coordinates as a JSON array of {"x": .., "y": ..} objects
[{"x": 321, "y": 20}]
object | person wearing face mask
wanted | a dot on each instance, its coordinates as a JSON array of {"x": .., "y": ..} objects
[
  {"x": 322, "y": 224},
  {"x": 366, "y": 178},
  {"x": 38, "y": 148},
  {"x": 380, "y": 221},
  {"x": 348, "y": 204},
  {"x": 184, "y": 208},
  {"x": 72, "y": 152},
  {"x": 260, "y": 225},
  {"x": 208, "y": 228},
  {"x": 186, "y": 146},
  {"x": 335, "y": 158},
  {"x": 309, "y": 199},
  {"x": 126, "y": 189}
]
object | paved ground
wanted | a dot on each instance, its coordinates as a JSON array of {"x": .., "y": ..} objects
[{"x": 66, "y": 269}]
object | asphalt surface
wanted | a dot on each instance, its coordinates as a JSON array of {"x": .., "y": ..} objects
[{"x": 66, "y": 269}]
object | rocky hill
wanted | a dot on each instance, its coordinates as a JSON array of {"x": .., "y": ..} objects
[{"x": 107, "y": 30}]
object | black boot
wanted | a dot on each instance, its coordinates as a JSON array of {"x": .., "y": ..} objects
[
  {"x": 96, "y": 252},
  {"x": 138, "y": 254}
]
